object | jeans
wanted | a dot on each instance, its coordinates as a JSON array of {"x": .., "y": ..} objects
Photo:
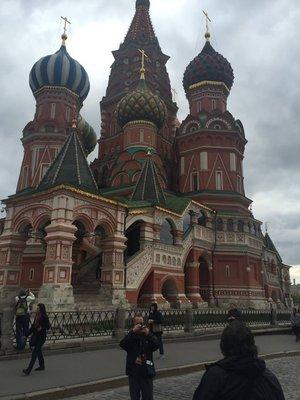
[
  {"x": 37, "y": 354},
  {"x": 160, "y": 342},
  {"x": 22, "y": 327},
  {"x": 140, "y": 386}
]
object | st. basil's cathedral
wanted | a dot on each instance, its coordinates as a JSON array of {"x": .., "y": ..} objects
[{"x": 161, "y": 214}]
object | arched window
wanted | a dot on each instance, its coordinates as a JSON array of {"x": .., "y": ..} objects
[
  {"x": 202, "y": 219},
  {"x": 220, "y": 225},
  {"x": 230, "y": 225},
  {"x": 166, "y": 233},
  {"x": 240, "y": 226}
]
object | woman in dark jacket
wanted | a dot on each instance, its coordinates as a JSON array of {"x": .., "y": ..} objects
[
  {"x": 240, "y": 375},
  {"x": 155, "y": 324},
  {"x": 38, "y": 335}
]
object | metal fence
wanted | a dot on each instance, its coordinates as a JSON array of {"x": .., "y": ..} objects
[{"x": 107, "y": 323}]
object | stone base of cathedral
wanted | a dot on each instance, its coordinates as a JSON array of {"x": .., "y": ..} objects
[{"x": 57, "y": 297}]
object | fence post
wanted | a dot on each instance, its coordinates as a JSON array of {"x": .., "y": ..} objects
[
  {"x": 7, "y": 330},
  {"x": 120, "y": 323},
  {"x": 189, "y": 320}
]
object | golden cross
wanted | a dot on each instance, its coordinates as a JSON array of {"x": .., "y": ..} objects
[
  {"x": 66, "y": 22},
  {"x": 174, "y": 94},
  {"x": 142, "y": 70},
  {"x": 207, "y": 19},
  {"x": 207, "y": 34}
]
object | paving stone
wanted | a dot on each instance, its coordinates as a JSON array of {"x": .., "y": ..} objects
[{"x": 182, "y": 387}]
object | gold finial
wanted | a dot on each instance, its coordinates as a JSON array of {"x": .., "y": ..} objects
[
  {"x": 174, "y": 94},
  {"x": 266, "y": 226},
  {"x": 64, "y": 35},
  {"x": 143, "y": 70},
  {"x": 207, "y": 34}
]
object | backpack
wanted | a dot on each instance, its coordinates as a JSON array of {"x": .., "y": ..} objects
[{"x": 22, "y": 306}]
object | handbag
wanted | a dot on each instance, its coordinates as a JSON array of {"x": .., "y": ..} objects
[
  {"x": 150, "y": 369},
  {"x": 33, "y": 340}
]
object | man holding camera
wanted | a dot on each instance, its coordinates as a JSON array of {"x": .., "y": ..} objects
[{"x": 140, "y": 344}]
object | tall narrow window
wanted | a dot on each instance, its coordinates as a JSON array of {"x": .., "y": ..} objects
[
  {"x": 213, "y": 104},
  {"x": 25, "y": 177},
  {"x": 203, "y": 160},
  {"x": 219, "y": 180},
  {"x": 227, "y": 270},
  {"x": 194, "y": 181},
  {"x": 53, "y": 108},
  {"x": 141, "y": 135},
  {"x": 182, "y": 166},
  {"x": 232, "y": 162},
  {"x": 68, "y": 114},
  {"x": 31, "y": 274},
  {"x": 199, "y": 106}
]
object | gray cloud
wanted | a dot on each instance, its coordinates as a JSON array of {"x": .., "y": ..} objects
[{"x": 258, "y": 37}]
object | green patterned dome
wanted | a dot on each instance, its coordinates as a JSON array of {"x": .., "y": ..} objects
[{"x": 141, "y": 104}]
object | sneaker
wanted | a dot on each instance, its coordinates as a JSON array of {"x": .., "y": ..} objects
[
  {"x": 26, "y": 372},
  {"x": 40, "y": 369}
]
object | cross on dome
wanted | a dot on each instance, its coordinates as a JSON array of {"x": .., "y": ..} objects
[
  {"x": 207, "y": 33},
  {"x": 143, "y": 69},
  {"x": 64, "y": 35}
]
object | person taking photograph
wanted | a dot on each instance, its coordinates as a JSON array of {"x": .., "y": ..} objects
[{"x": 140, "y": 344}]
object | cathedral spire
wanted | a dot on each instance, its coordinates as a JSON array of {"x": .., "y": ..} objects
[{"x": 141, "y": 29}]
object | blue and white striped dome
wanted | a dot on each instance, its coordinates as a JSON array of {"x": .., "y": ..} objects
[{"x": 60, "y": 69}]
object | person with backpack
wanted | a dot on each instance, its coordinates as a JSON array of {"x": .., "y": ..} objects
[
  {"x": 241, "y": 374},
  {"x": 23, "y": 303},
  {"x": 38, "y": 336}
]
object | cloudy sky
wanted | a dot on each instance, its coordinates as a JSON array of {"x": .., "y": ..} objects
[{"x": 259, "y": 37}]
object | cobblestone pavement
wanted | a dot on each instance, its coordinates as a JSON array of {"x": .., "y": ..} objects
[{"x": 182, "y": 387}]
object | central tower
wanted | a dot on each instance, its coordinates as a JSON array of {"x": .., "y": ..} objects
[{"x": 114, "y": 155}]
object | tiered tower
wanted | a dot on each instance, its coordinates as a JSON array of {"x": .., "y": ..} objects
[
  {"x": 122, "y": 143},
  {"x": 211, "y": 142},
  {"x": 60, "y": 85}
]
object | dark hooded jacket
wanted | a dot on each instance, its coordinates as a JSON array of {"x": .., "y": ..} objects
[
  {"x": 239, "y": 378},
  {"x": 135, "y": 345}
]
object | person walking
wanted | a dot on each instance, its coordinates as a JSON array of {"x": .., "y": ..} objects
[
  {"x": 38, "y": 335},
  {"x": 140, "y": 344},
  {"x": 295, "y": 322},
  {"x": 22, "y": 307},
  {"x": 155, "y": 325},
  {"x": 240, "y": 375}
]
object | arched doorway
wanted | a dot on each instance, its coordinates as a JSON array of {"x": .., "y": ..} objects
[
  {"x": 170, "y": 292},
  {"x": 204, "y": 281},
  {"x": 133, "y": 235}
]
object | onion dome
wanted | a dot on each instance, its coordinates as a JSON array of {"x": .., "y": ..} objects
[
  {"x": 60, "y": 69},
  {"x": 141, "y": 104},
  {"x": 88, "y": 135},
  {"x": 208, "y": 66}
]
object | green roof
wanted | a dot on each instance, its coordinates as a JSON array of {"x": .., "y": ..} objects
[
  {"x": 270, "y": 245},
  {"x": 148, "y": 187},
  {"x": 70, "y": 167}
]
